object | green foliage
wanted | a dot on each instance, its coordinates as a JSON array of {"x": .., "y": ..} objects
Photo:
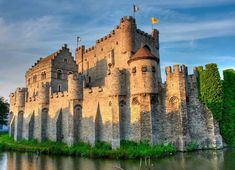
[
  {"x": 3, "y": 111},
  {"x": 128, "y": 149},
  {"x": 227, "y": 124},
  {"x": 219, "y": 97},
  {"x": 211, "y": 89}
]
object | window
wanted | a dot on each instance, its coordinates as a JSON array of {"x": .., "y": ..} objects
[
  {"x": 59, "y": 74},
  {"x": 70, "y": 72},
  {"x": 28, "y": 81},
  {"x": 59, "y": 88},
  {"x": 65, "y": 60},
  {"x": 174, "y": 100},
  {"x": 34, "y": 78},
  {"x": 144, "y": 69},
  {"x": 153, "y": 69},
  {"x": 133, "y": 70},
  {"x": 43, "y": 75}
]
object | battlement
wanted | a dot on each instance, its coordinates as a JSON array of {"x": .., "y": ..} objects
[
  {"x": 176, "y": 69},
  {"x": 94, "y": 90},
  {"x": 59, "y": 94},
  {"x": 12, "y": 95},
  {"x": 18, "y": 89},
  {"x": 126, "y": 19},
  {"x": 48, "y": 58},
  {"x": 145, "y": 34}
]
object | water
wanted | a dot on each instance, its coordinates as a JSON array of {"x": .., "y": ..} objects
[{"x": 201, "y": 160}]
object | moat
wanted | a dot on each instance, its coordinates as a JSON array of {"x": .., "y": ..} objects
[{"x": 201, "y": 160}]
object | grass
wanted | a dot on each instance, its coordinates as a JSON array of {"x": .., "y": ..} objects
[{"x": 127, "y": 150}]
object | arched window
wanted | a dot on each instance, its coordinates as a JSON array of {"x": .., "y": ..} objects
[
  {"x": 43, "y": 75},
  {"x": 59, "y": 88},
  {"x": 59, "y": 74},
  {"x": 174, "y": 103},
  {"x": 28, "y": 81}
]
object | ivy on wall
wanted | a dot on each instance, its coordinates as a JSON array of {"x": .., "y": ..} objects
[
  {"x": 211, "y": 89},
  {"x": 227, "y": 124},
  {"x": 219, "y": 96}
]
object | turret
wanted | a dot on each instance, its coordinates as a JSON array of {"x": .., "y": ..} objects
[
  {"x": 20, "y": 97},
  {"x": 143, "y": 72},
  {"x": 116, "y": 82},
  {"x": 127, "y": 25},
  {"x": 79, "y": 57},
  {"x": 155, "y": 35},
  {"x": 75, "y": 86},
  {"x": 44, "y": 93}
]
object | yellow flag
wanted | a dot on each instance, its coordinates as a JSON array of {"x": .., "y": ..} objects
[{"x": 154, "y": 20}]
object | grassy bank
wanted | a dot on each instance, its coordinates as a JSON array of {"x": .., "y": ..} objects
[{"x": 128, "y": 149}]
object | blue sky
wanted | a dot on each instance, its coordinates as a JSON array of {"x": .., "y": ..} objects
[{"x": 193, "y": 32}]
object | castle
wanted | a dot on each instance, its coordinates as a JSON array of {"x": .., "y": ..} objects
[{"x": 110, "y": 92}]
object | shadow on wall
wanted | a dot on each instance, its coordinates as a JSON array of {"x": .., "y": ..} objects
[{"x": 95, "y": 76}]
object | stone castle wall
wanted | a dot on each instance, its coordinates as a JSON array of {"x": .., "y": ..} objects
[{"x": 112, "y": 92}]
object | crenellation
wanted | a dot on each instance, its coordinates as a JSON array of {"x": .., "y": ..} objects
[
  {"x": 176, "y": 68},
  {"x": 168, "y": 70},
  {"x": 112, "y": 91}
]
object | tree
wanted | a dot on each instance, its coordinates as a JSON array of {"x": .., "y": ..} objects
[{"x": 3, "y": 111}]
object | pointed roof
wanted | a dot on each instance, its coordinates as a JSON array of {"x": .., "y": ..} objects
[{"x": 142, "y": 53}]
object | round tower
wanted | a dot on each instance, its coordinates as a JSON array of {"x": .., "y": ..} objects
[
  {"x": 143, "y": 72},
  {"x": 75, "y": 86},
  {"x": 116, "y": 82},
  {"x": 20, "y": 97},
  {"x": 127, "y": 25},
  {"x": 44, "y": 93}
]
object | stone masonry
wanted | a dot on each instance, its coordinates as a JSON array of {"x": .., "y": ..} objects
[{"x": 110, "y": 92}]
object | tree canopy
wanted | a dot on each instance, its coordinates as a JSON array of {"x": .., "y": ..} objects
[{"x": 3, "y": 111}]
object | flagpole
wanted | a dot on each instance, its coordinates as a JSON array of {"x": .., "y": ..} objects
[
  {"x": 77, "y": 42},
  {"x": 78, "y": 39},
  {"x": 133, "y": 11}
]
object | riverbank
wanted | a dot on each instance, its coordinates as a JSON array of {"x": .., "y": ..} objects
[{"x": 128, "y": 149}]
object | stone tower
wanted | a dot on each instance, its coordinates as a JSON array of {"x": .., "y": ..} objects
[
  {"x": 143, "y": 93},
  {"x": 176, "y": 102}
]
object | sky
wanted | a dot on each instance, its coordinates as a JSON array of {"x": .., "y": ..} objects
[{"x": 192, "y": 32}]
